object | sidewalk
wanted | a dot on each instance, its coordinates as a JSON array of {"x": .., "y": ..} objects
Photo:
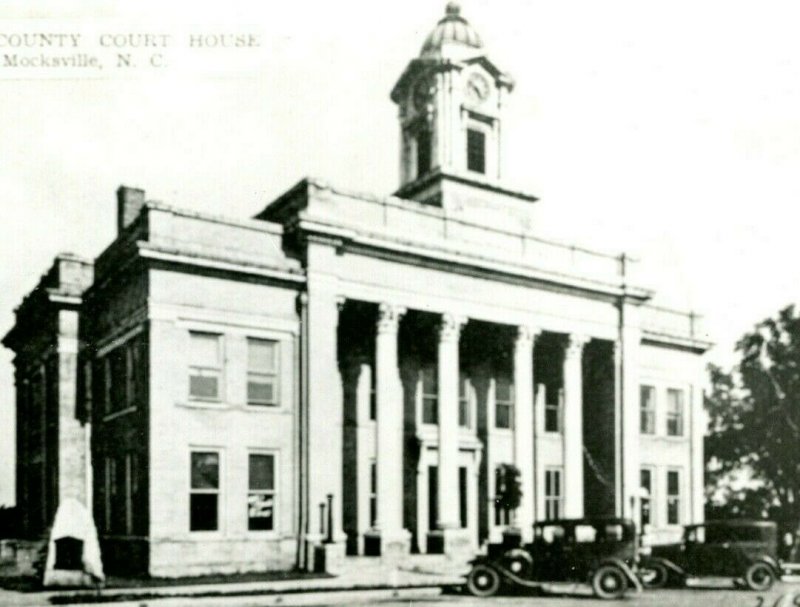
[{"x": 360, "y": 575}]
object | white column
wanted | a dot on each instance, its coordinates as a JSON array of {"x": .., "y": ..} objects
[
  {"x": 448, "y": 370},
  {"x": 629, "y": 344},
  {"x": 523, "y": 426},
  {"x": 389, "y": 430},
  {"x": 573, "y": 426}
]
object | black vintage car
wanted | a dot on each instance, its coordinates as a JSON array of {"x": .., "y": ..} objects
[
  {"x": 598, "y": 552},
  {"x": 739, "y": 549}
]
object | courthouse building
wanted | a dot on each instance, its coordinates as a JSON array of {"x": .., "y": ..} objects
[{"x": 226, "y": 394}]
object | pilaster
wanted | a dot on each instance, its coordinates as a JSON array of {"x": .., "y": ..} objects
[{"x": 324, "y": 410}]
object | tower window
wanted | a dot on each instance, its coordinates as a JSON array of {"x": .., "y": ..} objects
[
  {"x": 423, "y": 152},
  {"x": 476, "y": 151}
]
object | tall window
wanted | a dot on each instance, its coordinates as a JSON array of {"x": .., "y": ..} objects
[
  {"x": 503, "y": 402},
  {"x": 647, "y": 409},
  {"x": 373, "y": 394},
  {"x": 205, "y": 366},
  {"x": 204, "y": 493},
  {"x": 261, "y": 492},
  {"x": 476, "y": 151},
  {"x": 673, "y": 497},
  {"x": 552, "y": 414},
  {"x": 424, "y": 149},
  {"x": 373, "y": 493},
  {"x": 430, "y": 395},
  {"x": 463, "y": 401},
  {"x": 646, "y": 500},
  {"x": 109, "y": 488},
  {"x": 87, "y": 386},
  {"x": 262, "y": 372},
  {"x": 131, "y": 354},
  {"x": 107, "y": 389},
  {"x": 674, "y": 412},
  {"x": 552, "y": 494}
]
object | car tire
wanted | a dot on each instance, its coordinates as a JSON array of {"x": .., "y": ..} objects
[
  {"x": 759, "y": 577},
  {"x": 654, "y": 575},
  {"x": 609, "y": 582},
  {"x": 483, "y": 581}
]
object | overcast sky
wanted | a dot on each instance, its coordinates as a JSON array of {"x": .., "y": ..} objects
[{"x": 667, "y": 129}]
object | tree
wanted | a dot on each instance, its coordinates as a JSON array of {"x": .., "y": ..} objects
[{"x": 755, "y": 425}]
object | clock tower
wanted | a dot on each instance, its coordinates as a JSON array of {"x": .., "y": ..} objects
[{"x": 451, "y": 100}]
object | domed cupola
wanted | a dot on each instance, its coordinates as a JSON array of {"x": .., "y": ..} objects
[
  {"x": 451, "y": 100},
  {"x": 452, "y": 38}
]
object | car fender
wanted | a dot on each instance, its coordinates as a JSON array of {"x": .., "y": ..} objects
[
  {"x": 512, "y": 577},
  {"x": 672, "y": 567},
  {"x": 626, "y": 569},
  {"x": 773, "y": 564}
]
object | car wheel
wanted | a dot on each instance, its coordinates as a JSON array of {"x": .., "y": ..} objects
[
  {"x": 759, "y": 576},
  {"x": 653, "y": 575},
  {"x": 609, "y": 582},
  {"x": 483, "y": 581}
]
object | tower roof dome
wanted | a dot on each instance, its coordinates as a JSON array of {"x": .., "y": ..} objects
[{"x": 452, "y": 35}]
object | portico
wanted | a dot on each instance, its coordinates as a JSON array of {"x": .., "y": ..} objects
[{"x": 434, "y": 401}]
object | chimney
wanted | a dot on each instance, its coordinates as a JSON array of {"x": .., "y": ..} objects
[{"x": 129, "y": 202}]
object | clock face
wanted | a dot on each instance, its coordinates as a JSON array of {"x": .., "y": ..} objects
[
  {"x": 423, "y": 92},
  {"x": 477, "y": 88}
]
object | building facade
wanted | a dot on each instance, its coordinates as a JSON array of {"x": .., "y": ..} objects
[{"x": 350, "y": 373}]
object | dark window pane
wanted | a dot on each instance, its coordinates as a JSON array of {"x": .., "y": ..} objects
[
  {"x": 502, "y": 416},
  {"x": 423, "y": 152},
  {"x": 260, "y": 392},
  {"x": 503, "y": 390},
  {"x": 205, "y": 470},
  {"x": 262, "y": 472},
  {"x": 433, "y": 497},
  {"x": 646, "y": 480},
  {"x": 476, "y": 151},
  {"x": 203, "y": 515},
  {"x": 430, "y": 410},
  {"x": 373, "y": 511},
  {"x": 551, "y": 418},
  {"x": 672, "y": 512},
  {"x": 462, "y": 496},
  {"x": 672, "y": 483},
  {"x": 260, "y": 512},
  {"x": 203, "y": 386}
]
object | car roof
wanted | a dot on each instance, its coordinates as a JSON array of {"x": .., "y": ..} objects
[
  {"x": 586, "y": 521},
  {"x": 736, "y": 523}
]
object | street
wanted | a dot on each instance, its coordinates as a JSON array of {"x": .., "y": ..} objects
[{"x": 782, "y": 595}]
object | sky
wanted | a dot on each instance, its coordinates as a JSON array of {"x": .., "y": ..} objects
[{"x": 670, "y": 130}]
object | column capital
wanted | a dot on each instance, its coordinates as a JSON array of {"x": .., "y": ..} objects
[
  {"x": 575, "y": 344},
  {"x": 528, "y": 333},
  {"x": 389, "y": 316},
  {"x": 450, "y": 327}
]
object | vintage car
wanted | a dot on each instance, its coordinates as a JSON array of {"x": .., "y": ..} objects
[
  {"x": 598, "y": 552},
  {"x": 740, "y": 549}
]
